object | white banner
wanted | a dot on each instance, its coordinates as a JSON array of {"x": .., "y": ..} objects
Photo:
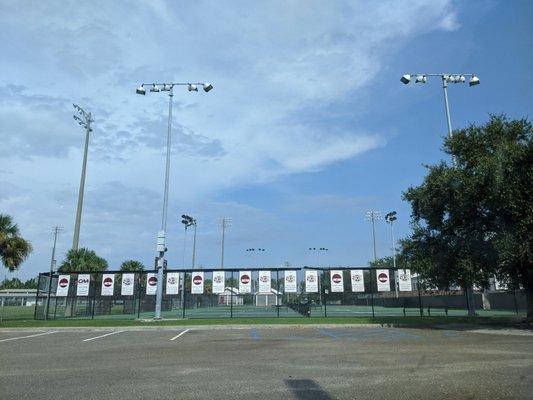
[
  {"x": 82, "y": 285},
  {"x": 151, "y": 283},
  {"x": 197, "y": 285},
  {"x": 264, "y": 282},
  {"x": 63, "y": 283},
  {"x": 358, "y": 280},
  {"x": 311, "y": 281},
  {"x": 219, "y": 282},
  {"x": 173, "y": 283},
  {"x": 382, "y": 278},
  {"x": 404, "y": 280},
  {"x": 291, "y": 282},
  {"x": 498, "y": 285},
  {"x": 128, "y": 284},
  {"x": 337, "y": 281},
  {"x": 245, "y": 282},
  {"x": 108, "y": 284}
]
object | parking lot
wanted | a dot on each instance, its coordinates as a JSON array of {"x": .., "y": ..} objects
[{"x": 264, "y": 363}]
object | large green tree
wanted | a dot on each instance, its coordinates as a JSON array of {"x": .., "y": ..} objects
[
  {"x": 82, "y": 260},
  {"x": 473, "y": 219},
  {"x": 132, "y": 266},
  {"x": 13, "y": 249}
]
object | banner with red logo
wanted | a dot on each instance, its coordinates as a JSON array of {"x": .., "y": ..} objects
[
  {"x": 82, "y": 285},
  {"x": 264, "y": 282},
  {"x": 108, "y": 284},
  {"x": 382, "y": 278},
  {"x": 63, "y": 283},
  {"x": 404, "y": 280},
  {"x": 151, "y": 283},
  {"x": 245, "y": 282},
  {"x": 219, "y": 282},
  {"x": 358, "y": 280},
  {"x": 337, "y": 281},
  {"x": 197, "y": 285},
  {"x": 291, "y": 282},
  {"x": 128, "y": 284},
  {"x": 311, "y": 281},
  {"x": 173, "y": 283}
]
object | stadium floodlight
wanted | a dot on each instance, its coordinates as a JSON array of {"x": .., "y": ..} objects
[
  {"x": 161, "y": 236},
  {"x": 207, "y": 87},
  {"x": 406, "y": 79},
  {"x": 474, "y": 80},
  {"x": 421, "y": 79}
]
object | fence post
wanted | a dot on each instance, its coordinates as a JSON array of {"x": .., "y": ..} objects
[
  {"x": 372, "y": 291},
  {"x": 278, "y": 292},
  {"x": 184, "y": 295},
  {"x": 138, "y": 295},
  {"x": 94, "y": 294},
  {"x": 231, "y": 298},
  {"x": 419, "y": 297},
  {"x": 323, "y": 290}
]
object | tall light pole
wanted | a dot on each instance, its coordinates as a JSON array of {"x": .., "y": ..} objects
[
  {"x": 85, "y": 120},
  {"x": 253, "y": 251},
  {"x": 161, "y": 235},
  {"x": 188, "y": 221},
  {"x": 224, "y": 223},
  {"x": 446, "y": 79},
  {"x": 55, "y": 231},
  {"x": 373, "y": 216},
  {"x": 390, "y": 218}
]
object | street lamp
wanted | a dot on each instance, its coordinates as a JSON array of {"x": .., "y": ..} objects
[
  {"x": 161, "y": 248},
  {"x": 390, "y": 218},
  {"x": 446, "y": 79},
  {"x": 84, "y": 120},
  {"x": 373, "y": 216},
  {"x": 189, "y": 221}
]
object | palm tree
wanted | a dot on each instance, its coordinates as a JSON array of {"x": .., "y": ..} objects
[
  {"x": 13, "y": 249},
  {"x": 132, "y": 266},
  {"x": 83, "y": 260}
]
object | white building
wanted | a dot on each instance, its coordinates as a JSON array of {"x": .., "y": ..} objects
[
  {"x": 230, "y": 295},
  {"x": 266, "y": 299}
]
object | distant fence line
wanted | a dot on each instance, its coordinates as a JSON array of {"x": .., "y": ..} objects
[{"x": 255, "y": 292}]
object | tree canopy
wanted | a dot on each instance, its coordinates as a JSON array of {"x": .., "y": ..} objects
[
  {"x": 13, "y": 248},
  {"x": 82, "y": 260},
  {"x": 132, "y": 266},
  {"x": 472, "y": 220}
]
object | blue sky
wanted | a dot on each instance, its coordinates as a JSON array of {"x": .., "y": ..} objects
[{"x": 307, "y": 128}]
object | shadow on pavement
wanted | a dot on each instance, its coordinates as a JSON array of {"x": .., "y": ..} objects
[{"x": 307, "y": 389}]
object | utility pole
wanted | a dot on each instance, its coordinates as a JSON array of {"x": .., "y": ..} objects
[
  {"x": 373, "y": 216},
  {"x": 55, "y": 231},
  {"x": 390, "y": 218},
  {"x": 224, "y": 223},
  {"x": 85, "y": 122}
]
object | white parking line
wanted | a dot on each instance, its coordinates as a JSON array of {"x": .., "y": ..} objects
[
  {"x": 101, "y": 336},
  {"x": 29, "y": 336},
  {"x": 181, "y": 333}
]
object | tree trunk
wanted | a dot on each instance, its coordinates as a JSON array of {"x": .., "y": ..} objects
[
  {"x": 485, "y": 299},
  {"x": 469, "y": 293}
]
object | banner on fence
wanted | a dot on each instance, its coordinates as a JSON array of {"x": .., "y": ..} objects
[
  {"x": 337, "y": 281},
  {"x": 245, "y": 282},
  {"x": 197, "y": 286},
  {"x": 291, "y": 282},
  {"x": 173, "y": 283},
  {"x": 219, "y": 282},
  {"x": 264, "y": 282},
  {"x": 404, "y": 280},
  {"x": 108, "y": 284},
  {"x": 82, "y": 285},
  {"x": 382, "y": 277},
  {"x": 151, "y": 283},
  {"x": 311, "y": 281},
  {"x": 128, "y": 285},
  {"x": 358, "y": 280},
  {"x": 63, "y": 283}
]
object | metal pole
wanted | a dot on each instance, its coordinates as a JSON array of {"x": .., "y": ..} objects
[
  {"x": 448, "y": 118},
  {"x": 161, "y": 261},
  {"x": 394, "y": 259},
  {"x": 52, "y": 264},
  {"x": 184, "y": 247},
  {"x": 76, "y": 238},
  {"x": 222, "y": 250},
  {"x": 374, "y": 236},
  {"x": 194, "y": 247}
]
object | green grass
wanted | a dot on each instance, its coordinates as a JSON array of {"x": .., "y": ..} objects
[{"x": 394, "y": 321}]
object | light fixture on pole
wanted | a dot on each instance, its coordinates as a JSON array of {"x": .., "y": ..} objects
[
  {"x": 390, "y": 218},
  {"x": 84, "y": 120},
  {"x": 224, "y": 223},
  {"x": 188, "y": 221},
  {"x": 446, "y": 79},
  {"x": 253, "y": 252},
  {"x": 161, "y": 236},
  {"x": 373, "y": 216}
]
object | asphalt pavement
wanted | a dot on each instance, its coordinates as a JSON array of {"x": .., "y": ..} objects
[{"x": 265, "y": 363}]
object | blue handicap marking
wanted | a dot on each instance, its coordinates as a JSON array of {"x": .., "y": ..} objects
[{"x": 254, "y": 335}]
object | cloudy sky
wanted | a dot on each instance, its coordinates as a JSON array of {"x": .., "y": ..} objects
[{"x": 307, "y": 127}]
